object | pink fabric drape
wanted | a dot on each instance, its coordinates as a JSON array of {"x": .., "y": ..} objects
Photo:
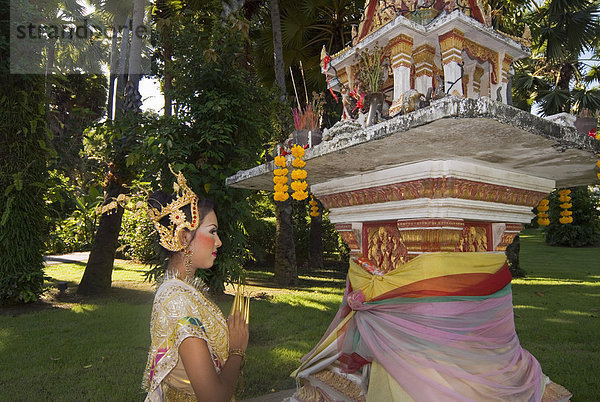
[{"x": 451, "y": 350}]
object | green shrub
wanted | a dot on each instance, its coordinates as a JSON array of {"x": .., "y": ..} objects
[
  {"x": 585, "y": 229},
  {"x": 137, "y": 238},
  {"x": 25, "y": 149},
  {"x": 75, "y": 232},
  {"x": 261, "y": 239}
]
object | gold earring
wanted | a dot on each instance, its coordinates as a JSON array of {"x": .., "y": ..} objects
[{"x": 188, "y": 262}]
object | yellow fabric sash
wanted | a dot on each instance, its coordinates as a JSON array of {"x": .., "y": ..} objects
[{"x": 425, "y": 266}]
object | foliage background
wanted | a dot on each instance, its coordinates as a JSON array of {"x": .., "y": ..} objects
[
  {"x": 24, "y": 151},
  {"x": 585, "y": 228}
]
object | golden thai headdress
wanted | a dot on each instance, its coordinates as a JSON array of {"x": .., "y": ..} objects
[{"x": 169, "y": 235}]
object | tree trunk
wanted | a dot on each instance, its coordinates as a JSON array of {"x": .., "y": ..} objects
[
  {"x": 167, "y": 55},
  {"x": 122, "y": 77},
  {"x": 49, "y": 71},
  {"x": 286, "y": 272},
  {"x": 278, "y": 49},
  {"x": 98, "y": 271},
  {"x": 135, "y": 52},
  {"x": 114, "y": 65},
  {"x": 567, "y": 71},
  {"x": 315, "y": 251}
]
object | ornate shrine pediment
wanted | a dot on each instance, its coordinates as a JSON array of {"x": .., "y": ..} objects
[{"x": 380, "y": 12}]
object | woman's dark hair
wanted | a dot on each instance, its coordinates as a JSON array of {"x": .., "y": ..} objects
[{"x": 160, "y": 199}]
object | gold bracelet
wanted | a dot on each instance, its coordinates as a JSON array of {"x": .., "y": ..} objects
[{"x": 240, "y": 353}]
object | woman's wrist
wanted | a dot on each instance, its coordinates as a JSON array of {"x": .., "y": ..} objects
[{"x": 238, "y": 352}]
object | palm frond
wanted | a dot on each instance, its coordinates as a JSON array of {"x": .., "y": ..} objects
[
  {"x": 586, "y": 100},
  {"x": 593, "y": 75},
  {"x": 555, "y": 101}
]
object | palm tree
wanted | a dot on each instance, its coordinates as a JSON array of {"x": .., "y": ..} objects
[
  {"x": 98, "y": 272},
  {"x": 305, "y": 27},
  {"x": 554, "y": 76}
]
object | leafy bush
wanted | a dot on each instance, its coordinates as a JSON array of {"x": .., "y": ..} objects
[
  {"x": 585, "y": 229},
  {"x": 137, "y": 238},
  {"x": 73, "y": 216},
  {"x": 25, "y": 149}
]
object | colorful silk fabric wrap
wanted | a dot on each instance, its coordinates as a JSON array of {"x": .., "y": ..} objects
[
  {"x": 181, "y": 311},
  {"x": 441, "y": 327}
]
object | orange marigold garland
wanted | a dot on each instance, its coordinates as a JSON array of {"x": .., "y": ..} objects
[
  {"x": 314, "y": 206},
  {"x": 565, "y": 214},
  {"x": 280, "y": 179},
  {"x": 299, "y": 184},
  {"x": 543, "y": 212}
]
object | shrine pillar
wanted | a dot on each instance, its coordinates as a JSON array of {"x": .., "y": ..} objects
[
  {"x": 477, "y": 74},
  {"x": 423, "y": 57},
  {"x": 451, "y": 45},
  {"x": 401, "y": 56},
  {"x": 342, "y": 76},
  {"x": 506, "y": 63}
]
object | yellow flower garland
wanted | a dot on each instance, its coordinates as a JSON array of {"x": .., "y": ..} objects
[
  {"x": 280, "y": 179},
  {"x": 543, "y": 212},
  {"x": 298, "y": 174},
  {"x": 565, "y": 214},
  {"x": 314, "y": 206}
]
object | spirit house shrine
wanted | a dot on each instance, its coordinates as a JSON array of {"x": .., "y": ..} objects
[{"x": 428, "y": 177}]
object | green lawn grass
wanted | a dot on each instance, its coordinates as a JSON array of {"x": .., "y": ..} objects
[
  {"x": 97, "y": 350},
  {"x": 123, "y": 271},
  {"x": 557, "y": 312}
]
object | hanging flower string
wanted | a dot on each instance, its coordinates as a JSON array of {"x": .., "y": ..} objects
[
  {"x": 299, "y": 184},
  {"x": 314, "y": 206},
  {"x": 594, "y": 134},
  {"x": 543, "y": 213},
  {"x": 565, "y": 214},
  {"x": 280, "y": 179}
]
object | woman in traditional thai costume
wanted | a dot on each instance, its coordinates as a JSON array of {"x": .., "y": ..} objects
[{"x": 195, "y": 353}]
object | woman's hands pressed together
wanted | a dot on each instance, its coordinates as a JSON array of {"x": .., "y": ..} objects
[{"x": 238, "y": 332}]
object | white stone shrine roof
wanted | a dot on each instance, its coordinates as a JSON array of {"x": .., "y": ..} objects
[{"x": 479, "y": 131}]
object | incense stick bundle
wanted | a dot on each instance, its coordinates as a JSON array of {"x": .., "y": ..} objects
[{"x": 241, "y": 303}]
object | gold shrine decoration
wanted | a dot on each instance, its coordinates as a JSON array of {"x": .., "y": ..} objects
[
  {"x": 483, "y": 54},
  {"x": 474, "y": 239},
  {"x": 342, "y": 76},
  {"x": 506, "y": 62},
  {"x": 448, "y": 187},
  {"x": 424, "y": 59},
  {"x": 401, "y": 51},
  {"x": 451, "y": 46},
  {"x": 430, "y": 235},
  {"x": 385, "y": 247},
  {"x": 477, "y": 74}
]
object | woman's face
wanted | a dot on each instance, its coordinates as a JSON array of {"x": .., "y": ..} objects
[{"x": 205, "y": 243}]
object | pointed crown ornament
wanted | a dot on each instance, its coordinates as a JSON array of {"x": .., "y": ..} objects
[{"x": 169, "y": 235}]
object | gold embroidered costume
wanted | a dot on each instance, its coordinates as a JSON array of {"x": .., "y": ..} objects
[{"x": 181, "y": 311}]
